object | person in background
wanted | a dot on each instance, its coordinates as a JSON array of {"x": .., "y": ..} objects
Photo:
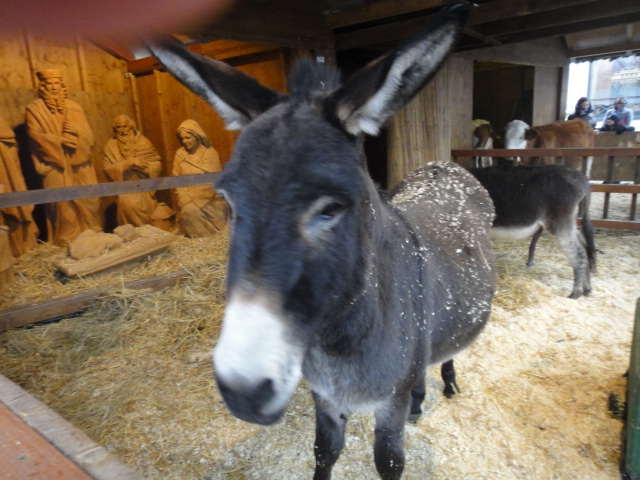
[
  {"x": 624, "y": 114},
  {"x": 612, "y": 124},
  {"x": 584, "y": 111}
]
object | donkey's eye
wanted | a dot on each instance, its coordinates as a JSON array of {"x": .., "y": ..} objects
[
  {"x": 322, "y": 216},
  {"x": 331, "y": 210}
]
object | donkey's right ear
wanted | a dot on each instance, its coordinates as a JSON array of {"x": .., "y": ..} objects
[{"x": 237, "y": 97}]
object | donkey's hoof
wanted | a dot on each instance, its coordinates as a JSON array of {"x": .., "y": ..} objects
[
  {"x": 450, "y": 390},
  {"x": 414, "y": 417}
]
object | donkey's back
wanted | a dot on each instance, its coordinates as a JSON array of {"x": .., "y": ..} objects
[{"x": 451, "y": 215}]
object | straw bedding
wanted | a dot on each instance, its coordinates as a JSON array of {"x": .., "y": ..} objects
[{"x": 135, "y": 373}]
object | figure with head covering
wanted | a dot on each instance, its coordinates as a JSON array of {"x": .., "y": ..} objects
[
  {"x": 584, "y": 110},
  {"x": 129, "y": 155},
  {"x": 200, "y": 212},
  {"x": 61, "y": 140},
  {"x": 624, "y": 115},
  {"x": 23, "y": 232},
  {"x": 612, "y": 124}
]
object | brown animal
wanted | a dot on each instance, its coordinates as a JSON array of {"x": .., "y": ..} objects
[
  {"x": 563, "y": 134},
  {"x": 482, "y": 139}
]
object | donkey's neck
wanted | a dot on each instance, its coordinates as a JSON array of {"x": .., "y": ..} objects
[{"x": 390, "y": 267}]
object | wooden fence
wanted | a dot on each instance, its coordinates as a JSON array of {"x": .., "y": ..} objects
[{"x": 614, "y": 158}]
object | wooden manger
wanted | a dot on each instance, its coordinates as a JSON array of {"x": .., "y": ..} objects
[{"x": 149, "y": 241}]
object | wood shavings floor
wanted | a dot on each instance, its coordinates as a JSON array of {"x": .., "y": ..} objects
[{"x": 534, "y": 386}]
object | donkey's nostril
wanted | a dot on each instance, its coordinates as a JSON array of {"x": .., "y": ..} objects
[
  {"x": 249, "y": 403},
  {"x": 264, "y": 392}
]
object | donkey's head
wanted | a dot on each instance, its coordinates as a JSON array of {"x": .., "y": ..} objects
[{"x": 303, "y": 206}]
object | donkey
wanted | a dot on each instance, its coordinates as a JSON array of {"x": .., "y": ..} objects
[
  {"x": 326, "y": 278},
  {"x": 530, "y": 199}
]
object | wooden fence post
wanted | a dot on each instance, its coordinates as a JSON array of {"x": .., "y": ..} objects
[{"x": 632, "y": 452}]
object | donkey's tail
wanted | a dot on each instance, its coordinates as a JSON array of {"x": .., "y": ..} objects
[{"x": 587, "y": 230}]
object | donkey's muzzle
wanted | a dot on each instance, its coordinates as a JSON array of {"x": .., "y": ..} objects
[{"x": 248, "y": 404}]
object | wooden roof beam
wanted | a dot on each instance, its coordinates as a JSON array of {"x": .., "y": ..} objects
[
  {"x": 219, "y": 50},
  {"x": 282, "y": 23},
  {"x": 483, "y": 13},
  {"x": 592, "y": 53},
  {"x": 561, "y": 17},
  {"x": 378, "y": 11},
  {"x": 508, "y": 9},
  {"x": 560, "y": 30}
]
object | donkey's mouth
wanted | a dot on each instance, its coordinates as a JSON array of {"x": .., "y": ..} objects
[
  {"x": 253, "y": 405},
  {"x": 257, "y": 360}
]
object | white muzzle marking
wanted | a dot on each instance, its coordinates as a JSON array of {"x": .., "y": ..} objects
[{"x": 256, "y": 344}]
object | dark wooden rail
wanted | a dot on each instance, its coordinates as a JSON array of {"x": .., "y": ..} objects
[
  {"x": 611, "y": 155},
  {"x": 34, "y": 197},
  {"x": 549, "y": 152}
]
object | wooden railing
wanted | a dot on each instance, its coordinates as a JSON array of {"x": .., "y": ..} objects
[
  {"x": 63, "y": 194},
  {"x": 610, "y": 155}
]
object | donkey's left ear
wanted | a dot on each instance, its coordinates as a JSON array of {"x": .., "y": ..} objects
[
  {"x": 378, "y": 91},
  {"x": 237, "y": 97}
]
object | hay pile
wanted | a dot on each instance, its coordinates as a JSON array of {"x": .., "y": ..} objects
[{"x": 134, "y": 372}]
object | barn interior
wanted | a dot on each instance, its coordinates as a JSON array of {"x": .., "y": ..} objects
[{"x": 512, "y": 62}]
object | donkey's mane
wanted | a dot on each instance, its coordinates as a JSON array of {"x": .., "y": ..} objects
[{"x": 309, "y": 78}]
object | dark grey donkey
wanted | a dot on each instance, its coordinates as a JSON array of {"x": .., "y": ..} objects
[
  {"x": 326, "y": 279},
  {"x": 529, "y": 200}
]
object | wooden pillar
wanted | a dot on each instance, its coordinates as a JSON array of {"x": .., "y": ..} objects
[
  {"x": 631, "y": 454},
  {"x": 435, "y": 121},
  {"x": 547, "y": 82}
]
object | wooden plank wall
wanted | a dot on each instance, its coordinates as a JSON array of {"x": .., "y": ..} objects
[
  {"x": 104, "y": 88},
  {"x": 496, "y": 93},
  {"x": 96, "y": 80},
  {"x": 165, "y": 104},
  {"x": 438, "y": 118},
  {"x": 547, "y": 82},
  {"x": 623, "y": 167}
]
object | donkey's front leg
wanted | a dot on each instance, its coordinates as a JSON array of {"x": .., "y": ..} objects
[
  {"x": 330, "y": 427},
  {"x": 388, "y": 449}
]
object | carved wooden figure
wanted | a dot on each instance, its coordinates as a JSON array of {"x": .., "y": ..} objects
[
  {"x": 201, "y": 211},
  {"x": 60, "y": 140},
  {"x": 7, "y": 259},
  {"x": 129, "y": 155},
  {"x": 23, "y": 232}
]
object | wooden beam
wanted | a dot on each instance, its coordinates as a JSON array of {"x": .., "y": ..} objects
[
  {"x": 379, "y": 35},
  {"x": 510, "y": 9},
  {"x": 64, "y": 440},
  {"x": 63, "y": 194},
  {"x": 615, "y": 188},
  {"x": 548, "y": 152},
  {"x": 607, "y": 50},
  {"x": 619, "y": 224},
  {"x": 283, "y": 23},
  {"x": 392, "y": 32},
  {"x": 378, "y": 11},
  {"x": 112, "y": 47},
  {"x": 26, "y": 454},
  {"x": 560, "y": 17},
  {"x": 561, "y": 30},
  {"x": 631, "y": 431},
  {"x": 220, "y": 50},
  {"x": 59, "y": 307}
]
